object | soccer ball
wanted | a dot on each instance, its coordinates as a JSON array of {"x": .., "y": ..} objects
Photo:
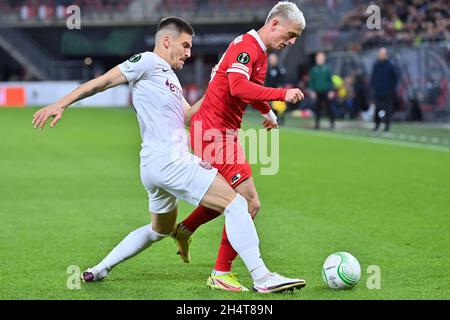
[{"x": 341, "y": 270}]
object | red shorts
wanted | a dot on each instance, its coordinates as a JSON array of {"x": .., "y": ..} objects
[{"x": 226, "y": 155}]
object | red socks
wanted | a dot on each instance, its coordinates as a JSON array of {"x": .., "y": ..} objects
[
  {"x": 198, "y": 217},
  {"x": 226, "y": 253}
]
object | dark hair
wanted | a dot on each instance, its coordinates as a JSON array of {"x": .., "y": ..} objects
[{"x": 179, "y": 24}]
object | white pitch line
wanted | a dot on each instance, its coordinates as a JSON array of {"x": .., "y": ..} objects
[{"x": 370, "y": 139}]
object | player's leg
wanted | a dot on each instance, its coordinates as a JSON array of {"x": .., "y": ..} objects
[
  {"x": 243, "y": 237},
  {"x": 228, "y": 158},
  {"x": 226, "y": 253},
  {"x": 184, "y": 230},
  {"x": 221, "y": 277},
  {"x": 163, "y": 207},
  {"x": 201, "y": 215},
  {"x": 135, "y": 242}
]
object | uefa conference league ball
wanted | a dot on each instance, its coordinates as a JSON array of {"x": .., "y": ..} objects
[{"x": 341, "y": 270}]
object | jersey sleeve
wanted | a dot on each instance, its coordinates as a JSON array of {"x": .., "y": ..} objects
[
  {"x": 241, "y": 59},
  {"x": 137, "y": 67},
  {"x": 249, "y": 91},
  {"x": 262, "y": 106}
]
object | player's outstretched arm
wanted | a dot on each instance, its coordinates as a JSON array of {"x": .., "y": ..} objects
[
  {"x": 242, "y": 88},
  {"x": 110, "y": 79},
  {"x": 190, "y": 111}
]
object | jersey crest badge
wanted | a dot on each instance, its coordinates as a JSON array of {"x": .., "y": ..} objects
[
  {"x": 205, "y": 165},
  {"x": 135, "y": 58},
  {"x": 243, "y": 58}
]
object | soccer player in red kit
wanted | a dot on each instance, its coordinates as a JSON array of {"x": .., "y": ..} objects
[{"x": 237, "y": 80}]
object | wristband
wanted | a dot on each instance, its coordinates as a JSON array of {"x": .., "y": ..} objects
[{"x": 270, "y": 116}]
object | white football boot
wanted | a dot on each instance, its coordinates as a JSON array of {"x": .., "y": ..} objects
[
  {"x": 92, "y": 274},
  {"x": 275, "y": 283}
]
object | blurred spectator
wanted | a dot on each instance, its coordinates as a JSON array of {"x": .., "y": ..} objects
[
  {"x": 275, "y": 79},
  {"x": 383, "y": 81},
  {"x": 360, "y": 94},
  {"x": 56, "y": 9},
  {"x": 322, "y": 89},
  {"x": 410, "y": 21},
  {"x": 304, "y": 108},
  {"x": 337, "y": 104}
]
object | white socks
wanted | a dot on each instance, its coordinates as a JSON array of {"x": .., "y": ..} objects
[
  {"x": 138, "y": 240},
  {"x": 240, "y": 230},
  {"x": 243, "y": 237}
]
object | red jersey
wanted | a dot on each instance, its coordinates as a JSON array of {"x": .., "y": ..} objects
[{"x": 237, "y": 80}]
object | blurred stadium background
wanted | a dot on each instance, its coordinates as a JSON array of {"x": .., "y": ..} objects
[
  {"x": 36, "y": 45},
  {"x": 69, "y": 194}
]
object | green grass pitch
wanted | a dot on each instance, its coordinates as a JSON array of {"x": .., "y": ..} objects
[{"x": 71, "y": 193}]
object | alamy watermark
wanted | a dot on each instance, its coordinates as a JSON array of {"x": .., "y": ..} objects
[
  {"x": 373, "y": 281},
  {"x": 73, "y": 21},
  {"x": 217, "y": 147},
  {"x": 374, "y": 277},
  {"x": 74, "y": 277},
  {"x": 373, "y": 21}
]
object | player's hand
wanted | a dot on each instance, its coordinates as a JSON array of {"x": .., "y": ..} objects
[
  {"x": 294, "y": 95},
  {"x": 42, "y": 115},
  {"x": 269, "y": 125}
]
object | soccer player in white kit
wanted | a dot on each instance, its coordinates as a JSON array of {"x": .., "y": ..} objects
[{"x": 168, "y": 170}]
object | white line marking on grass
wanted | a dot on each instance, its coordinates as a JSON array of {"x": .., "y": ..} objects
[{"x": 370, "y": 139}]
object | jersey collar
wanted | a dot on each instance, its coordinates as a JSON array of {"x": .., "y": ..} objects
[
  {"x": 255, "y": 35},
  {"x": 162, "y": 60}
]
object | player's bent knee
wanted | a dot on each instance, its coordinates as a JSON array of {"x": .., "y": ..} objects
[
  {"x": 219, "y": 195},
  {"x": 238, "y": 205},
  {"x": 164, "y": 223},
  {"x": 254, "y": 206},
  {"x": 156, "y": 236}
]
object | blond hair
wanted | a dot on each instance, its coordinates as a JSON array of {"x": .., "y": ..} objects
[{"x": 289, "y": 11}]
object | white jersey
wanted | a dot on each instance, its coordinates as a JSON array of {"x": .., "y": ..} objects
[{"x": 157, "y": 97}]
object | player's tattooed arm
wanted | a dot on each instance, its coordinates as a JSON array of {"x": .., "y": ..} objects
[{"x": 110, "y": 79}]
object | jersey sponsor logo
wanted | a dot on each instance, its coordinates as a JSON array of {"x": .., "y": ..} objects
[
  {"x": 235, "y": 178},
  {"x": 205, "y": 165},
  {"x": 165, "y": 70},
  {"x": 135, "y": 58},
  {"x": 172, "y": 87},
  {"x": 243, "y": 58}
]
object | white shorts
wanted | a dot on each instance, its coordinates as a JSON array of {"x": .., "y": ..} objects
[{"x": 167, "y": 179}]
